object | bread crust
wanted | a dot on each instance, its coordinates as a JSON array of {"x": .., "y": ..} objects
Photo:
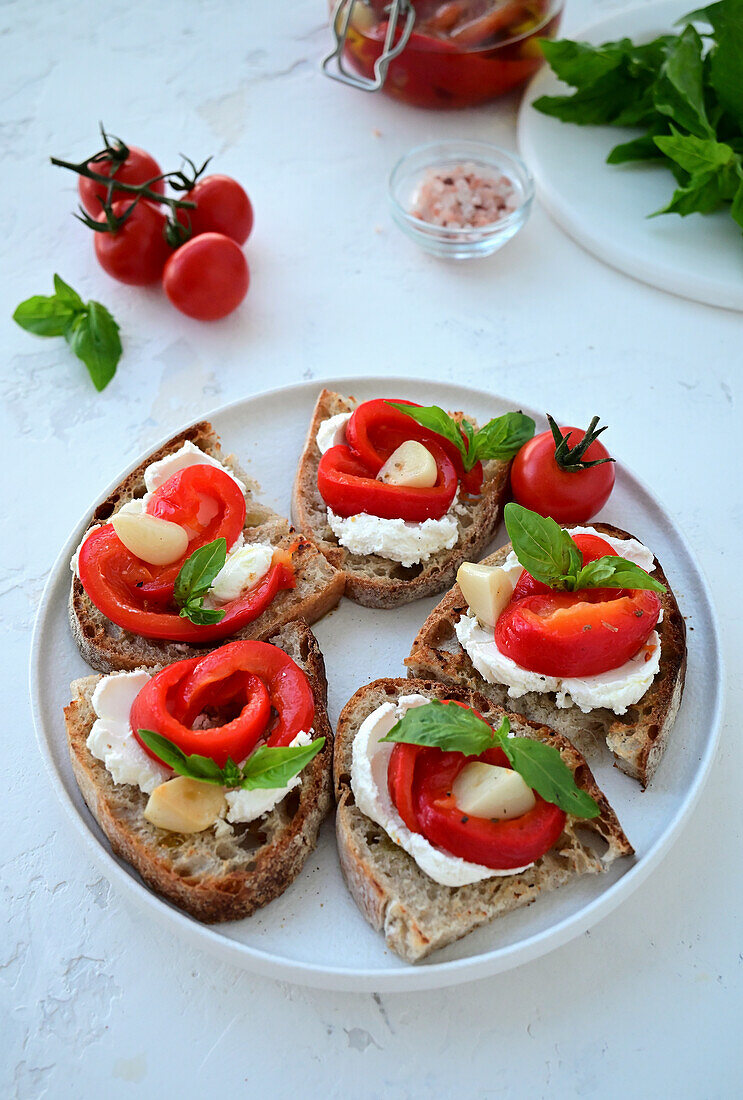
[
  {"x": 108, "y": 648},
  {"x": 637, "y": 739},
  {"x": 416, "y": 914},
  {"x": 374, "y": 581},
  {"x": 213, "y": 879}
]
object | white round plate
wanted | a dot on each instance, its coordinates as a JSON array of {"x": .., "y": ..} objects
[
  {"x": 605, "y": 207},
  {"x": 314, "y": 933}
]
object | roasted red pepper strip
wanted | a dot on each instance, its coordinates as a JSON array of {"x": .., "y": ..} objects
[
  {"x": 568, "y": 634},
  {"x": 347, "y": 487},
  {"x": 204, "y": 500},
  {"x": 376, "y": 429},
  {"x": 501, "y": 845},
  {"x": 256, "y": 677},
  {"x": 126, "y": 590},
  {"x": 420, "y": 784}
]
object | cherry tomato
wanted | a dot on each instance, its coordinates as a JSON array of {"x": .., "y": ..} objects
[
  {"x": 570, "y": 493},
  {"x": 222, "y": 206},
  {"x": 207, "y": 277},
  {"x": 137, "y": 252},
  {"x": 575, "y": 634},
  {"x": 138, "y": 168}
]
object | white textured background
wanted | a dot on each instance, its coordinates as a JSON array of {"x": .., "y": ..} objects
[{"x": 94, "y": 1000}]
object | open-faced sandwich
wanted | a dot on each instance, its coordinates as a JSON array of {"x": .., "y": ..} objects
[
  {"x": 452, "y": 811},
  {"x": 182, "y": 555},
  {"x": 210, "y": 776},
  {"x": 577, "y": 629},
  {"x": 397, "y": 496}
]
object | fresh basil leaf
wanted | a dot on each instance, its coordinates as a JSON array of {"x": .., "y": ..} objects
[
  {"x": 679, "y": 89},
  {"x": 617, "y": 99},
  {"x": 44, "y": 316},
  {"x": 726, "y": 54},
  {"x": 543, "y": 548},
  {"x": 436, "y": 420},
  {"x": 736, "y": 209},
  {"x": 89, "y": 329},
  {"x": 543, "y": 769},
  {"x": 577, "y": 63},
  {"x": 696, "y": 155},
  {"x": 194, "y": 610},
  {"x": 642, "y": 148},
  {"x": 231, "y": 773},
  {"x": 269, "y": 768},
  {"x": 445, "y": 726},
  {"x": 616, "y": 572},
  {"x": 501, "y": 438},
  {"x": 673, "y": 82},
  {"x": 199, "y": 571},
  {"x": 65, "y": 293},
  {"x": 94, "y": 337},
  {"x": 705, "y": 192},
  {"x": 198, "y": 767}
]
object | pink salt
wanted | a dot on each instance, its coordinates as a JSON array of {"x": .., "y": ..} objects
[{"x": 461, "y": 197}]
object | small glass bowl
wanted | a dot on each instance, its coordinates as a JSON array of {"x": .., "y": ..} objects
[{"x": 466, "y": 243}]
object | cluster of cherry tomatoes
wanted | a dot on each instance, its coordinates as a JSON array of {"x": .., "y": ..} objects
[{"x": 197, "y": 253}]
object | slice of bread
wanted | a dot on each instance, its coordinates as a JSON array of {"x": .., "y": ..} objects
[
  {"x": 214, "y": 878},
  {"x": 107, "y": 647},
  {"x": 416, "y": 914},
  {"x": 637, "y": 739},
  {"x": 375, "y": 581}
]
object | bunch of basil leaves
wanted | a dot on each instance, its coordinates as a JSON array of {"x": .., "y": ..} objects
[{"x": 684, "y": 90}]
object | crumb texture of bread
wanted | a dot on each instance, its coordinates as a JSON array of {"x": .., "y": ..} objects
[
  {"x": 416, "y": 914},
  {"x": 637, "y": 739},
  {"x": 375, "y": 581},
  {"x": 319, "y": 587},
  {"x": 214, "y": 878}
]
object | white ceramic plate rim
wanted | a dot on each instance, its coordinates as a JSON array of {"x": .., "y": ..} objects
[
  {"x": 695, "y": 287},
  {"x": 402, "y": 977}
]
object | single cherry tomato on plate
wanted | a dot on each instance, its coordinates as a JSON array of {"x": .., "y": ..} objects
[
  {"x": 138, "y": 168},
  {"x": 222, "y": 206},
  {"x": 136, "y": 252},
  {"x": 568, "y": 483},
  {"x": 207, "y": 277}
]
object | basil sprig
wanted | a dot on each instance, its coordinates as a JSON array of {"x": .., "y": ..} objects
[
  {"x": 451, "y": 728},
  {"x": 683, "y": 90},
  {"x": 547, "y": 552},
  {"x": 88, "y": 328},
  {"x": 267, "y": 769},
  {"x": 500, "y": 438},
  {"x": 194, "y": 580}
]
